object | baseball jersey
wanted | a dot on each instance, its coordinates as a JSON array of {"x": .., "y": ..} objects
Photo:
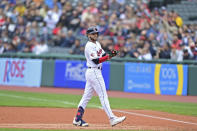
[{"x": 93, "y": 51}]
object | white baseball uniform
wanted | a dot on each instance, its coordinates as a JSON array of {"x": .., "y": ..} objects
[{"x": 94, "y": 78}]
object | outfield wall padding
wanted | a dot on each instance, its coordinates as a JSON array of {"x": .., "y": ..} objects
[
  {"x": 20, "y": 72},
  {"x": 116, "y": 76},
  {"x": 192, "y": 80},
  {"x": 48, "y": 69}
]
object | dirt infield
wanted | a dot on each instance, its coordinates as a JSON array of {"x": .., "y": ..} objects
[{"x": 61, "y": 118}]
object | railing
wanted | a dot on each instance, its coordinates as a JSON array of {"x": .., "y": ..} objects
[{"x": 80, "y": 57}]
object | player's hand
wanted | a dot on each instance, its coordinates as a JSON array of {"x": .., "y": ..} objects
[{"x": 113, "y": 53}]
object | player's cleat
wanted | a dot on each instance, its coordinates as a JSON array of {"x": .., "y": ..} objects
[
  {"x": 80, "y": 123},
  {"x": 116, "y": 120}
]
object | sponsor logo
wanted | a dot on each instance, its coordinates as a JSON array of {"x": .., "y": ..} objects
[
  {"x": 75, "y": 72},
  {"x": 168, "y": 73},
  {"x": 14, "y": 70},
  {"x": 92, "y": 54},
  {"x": 132, "y": 84},
  {"x": 140, "y": 69}
]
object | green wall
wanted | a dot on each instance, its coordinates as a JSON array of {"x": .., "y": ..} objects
[
  {"x": 116, "y": 76},
  {"x": 192, "y": 80},
  {"x": 48, "y": 72}
]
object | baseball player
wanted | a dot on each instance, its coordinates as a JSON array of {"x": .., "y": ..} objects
[{"x": 95, "y": 55}]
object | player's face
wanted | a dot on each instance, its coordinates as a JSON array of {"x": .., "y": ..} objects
[{"x": 93, "y": 37}]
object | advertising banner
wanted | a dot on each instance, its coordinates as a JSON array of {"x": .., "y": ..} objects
[
  {"x": 171, "y": 79},
  {"x": 71, "y": 74},
  {"x": 139, "y": 78},
  {"x": 164, "y": 79},
  {"x": 20, "y": 72}
]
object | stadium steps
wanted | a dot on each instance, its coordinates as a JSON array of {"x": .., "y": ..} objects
[{"x": 186, "y": 9}]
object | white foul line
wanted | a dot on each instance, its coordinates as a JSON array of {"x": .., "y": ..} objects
[
  {"x": 155, "y": 117},
  {"x": 95, "y": 106},
  {"x": 45, "y": 100},
  {"x": 64, "y": 126}
]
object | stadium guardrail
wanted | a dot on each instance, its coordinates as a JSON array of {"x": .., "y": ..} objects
[{"x": 81, "y": 57}]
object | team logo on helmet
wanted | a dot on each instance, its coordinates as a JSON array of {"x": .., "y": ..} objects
[{"x": 95, "y": 29}]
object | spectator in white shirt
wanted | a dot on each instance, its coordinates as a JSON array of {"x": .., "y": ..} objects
[
  {"x": 52, "y": 17},
  {"x": 40, "y": 47},
  {"x": 176, "y": 55},
  {"x": 145, "y": 53}
]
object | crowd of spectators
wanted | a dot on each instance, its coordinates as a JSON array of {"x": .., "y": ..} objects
[{"x": 133, "y": 29}]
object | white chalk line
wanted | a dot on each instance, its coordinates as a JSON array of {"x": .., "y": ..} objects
[
  {"x": 99, "y": 107},
  {"x": 64, "y": 126},
  {"x": 27, "y": 125},
  {"x": 155, "y": 117},
  {"x": 45, "y": 100}
]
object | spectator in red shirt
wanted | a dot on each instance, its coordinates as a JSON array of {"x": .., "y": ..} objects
[
  {"x": 2, "y": 19},
  {"x": 176, "y": 42},
  {"x": 139, "y": 20},
  {"x": 120, "y": 43}
]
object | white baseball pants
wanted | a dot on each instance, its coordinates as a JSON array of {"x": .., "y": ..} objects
[{"x": 95, "y": 81}]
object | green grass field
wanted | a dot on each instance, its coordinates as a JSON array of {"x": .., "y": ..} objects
[{"x": 27, "y": 99}]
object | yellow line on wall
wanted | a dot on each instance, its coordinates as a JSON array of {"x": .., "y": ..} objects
[
  {"x": 180, "y": 80},
  {"x": 156, "y": 77}
]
